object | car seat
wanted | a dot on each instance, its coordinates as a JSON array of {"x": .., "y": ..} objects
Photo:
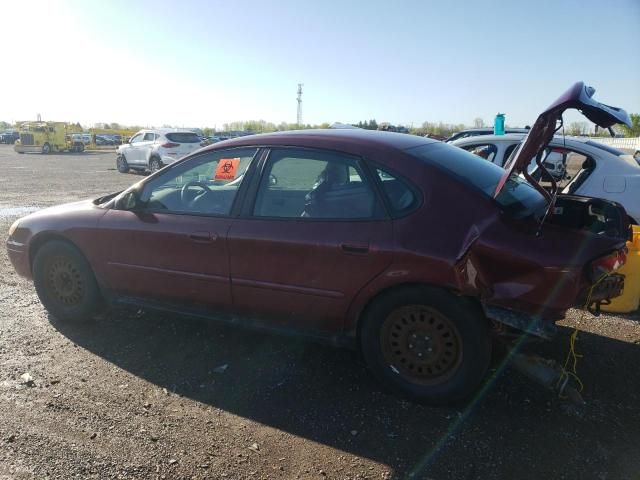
[{"x": 588, "y": 166}]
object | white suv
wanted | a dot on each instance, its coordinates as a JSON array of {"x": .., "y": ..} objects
[{"x": 153, "y": 149}]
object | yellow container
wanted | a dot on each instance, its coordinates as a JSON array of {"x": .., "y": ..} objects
[{"x": 629, "y": 301}]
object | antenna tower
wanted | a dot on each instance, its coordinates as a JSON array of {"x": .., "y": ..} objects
[{"x": 300, "y": 104}]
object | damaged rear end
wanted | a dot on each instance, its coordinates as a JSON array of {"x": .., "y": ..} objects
[
  {"x": 577, "y": 242},
  {"x": 538, "y": 253}
]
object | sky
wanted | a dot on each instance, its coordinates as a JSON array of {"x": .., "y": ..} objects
[{"x": 206, "y": 63}]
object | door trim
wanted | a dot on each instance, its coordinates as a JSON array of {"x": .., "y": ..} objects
[{"x": 203, "y": 276}]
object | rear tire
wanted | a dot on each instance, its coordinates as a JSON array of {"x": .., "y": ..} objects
[
  {"x": 155, "y": 164},
  {"x": 426, "y": 344},
  {"x": 46, "y": 148},
  {"x": 65, "y": 282},
  {"x": 121, "y": 164}
]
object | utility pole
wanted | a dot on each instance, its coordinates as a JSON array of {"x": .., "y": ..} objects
[{"x": 300, "y": 104}]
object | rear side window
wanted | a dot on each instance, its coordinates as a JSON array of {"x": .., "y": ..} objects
[
  {"x": 183, "y": 137},
  {"x": 518, "y": 198},
  {"x": 148, "y": 137},
  {"x": 314, "y": 184},
  {"x": 470, "y": 168},
  {"x": 400, "y": 196}
]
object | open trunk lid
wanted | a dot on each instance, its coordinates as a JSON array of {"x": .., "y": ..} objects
[{"x": 580, "y": 97}]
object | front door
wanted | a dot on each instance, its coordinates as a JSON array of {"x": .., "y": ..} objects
[
  {"x": 171, "y": 245},
  {"x": 132, "y": 153},
  {"x": 315, "y": 236}
]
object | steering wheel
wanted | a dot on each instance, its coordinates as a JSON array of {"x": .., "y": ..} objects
[{"x": 194, "y": 183}]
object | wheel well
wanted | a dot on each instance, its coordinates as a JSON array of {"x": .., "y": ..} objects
[
  {"x": 41, "y": 239},
  {"x": 155, "y": 157},
  {"x": 471, "y": 301}
]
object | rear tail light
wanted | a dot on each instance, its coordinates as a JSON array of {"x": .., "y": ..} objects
[
  {"x": 608, "y": 264},
  {"x": 170, "y": 145}
]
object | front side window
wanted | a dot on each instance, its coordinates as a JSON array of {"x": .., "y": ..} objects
[
  {"x": 314, "y": 184},
  {"x": 205, "y": 185},
  {"x": 137, "y": 138}
]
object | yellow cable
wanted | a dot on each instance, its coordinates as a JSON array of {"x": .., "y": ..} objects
[{"x": 572, "y": 354}]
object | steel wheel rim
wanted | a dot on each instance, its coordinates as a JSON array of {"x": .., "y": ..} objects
[
  {"x": 120, "y": 163},
  {"x": 64, "y": 281},
  {"x": 155, "y": 165},
  {"x": 421, "y": 344}
]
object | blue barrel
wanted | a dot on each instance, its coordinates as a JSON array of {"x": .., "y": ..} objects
[{"x": 498, "y": 124}]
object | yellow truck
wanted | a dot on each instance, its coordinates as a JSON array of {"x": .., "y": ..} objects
[{"x": 48, "y": 137}]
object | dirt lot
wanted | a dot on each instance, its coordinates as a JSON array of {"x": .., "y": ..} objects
[{"x": 141, "y": 395}]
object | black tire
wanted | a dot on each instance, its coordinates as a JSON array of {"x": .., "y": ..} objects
[
  {"x": 155, "y": 164},
  {"x": 46, "y": 149},
  {"x": 80, "y": 148},
  {"x": 65, "y": 282},
  {"x": 442, "y": 344},
  {"x": 121, "y": 164}
]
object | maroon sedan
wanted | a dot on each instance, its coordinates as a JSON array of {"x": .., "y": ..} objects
[{"x": 409, "y": 248}]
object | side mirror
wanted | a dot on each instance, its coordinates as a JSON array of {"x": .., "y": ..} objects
[{"x": 130, "y": 201}]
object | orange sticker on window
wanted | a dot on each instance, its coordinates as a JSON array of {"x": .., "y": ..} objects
[{"x": 227, "y": 169}]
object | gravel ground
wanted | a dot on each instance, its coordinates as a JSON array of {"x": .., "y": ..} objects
[{"x": 143, "y": 395}]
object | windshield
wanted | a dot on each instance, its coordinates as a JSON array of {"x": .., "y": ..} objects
[{"x": 518, "y": 198}]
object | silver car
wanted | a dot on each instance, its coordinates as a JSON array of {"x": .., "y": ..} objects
[
  {"x": 152, "y": 149},
  {"x": 579, "y": 165}
]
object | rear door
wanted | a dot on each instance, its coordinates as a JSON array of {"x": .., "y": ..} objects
[{"x": 313, "y": 235}]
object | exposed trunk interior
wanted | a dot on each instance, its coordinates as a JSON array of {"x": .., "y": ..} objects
[{"x": 596, "y": 215}]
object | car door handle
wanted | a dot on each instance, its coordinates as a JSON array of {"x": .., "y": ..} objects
[
  {"x": 203, "y": 237},
  {"x": 355, "y": 248}
]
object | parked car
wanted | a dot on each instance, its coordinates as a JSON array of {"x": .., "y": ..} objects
[
  {"x": 105, "y": 140},
  {"x": 9, "y": 137},
  {"x": 474, "y": 132},
  {"x": 153, "y": 149},
  {"x": 580, "y": 166},
  {"x": 405, "y": 247}
]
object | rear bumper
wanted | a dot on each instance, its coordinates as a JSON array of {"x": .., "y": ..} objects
[
  {"x": 606, "y": 289},
  {"x": 169, "y": 159}
]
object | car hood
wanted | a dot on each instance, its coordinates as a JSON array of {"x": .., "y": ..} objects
[
  {"x": 580, "y": 97},
  {"x": 59, "y": 210}
]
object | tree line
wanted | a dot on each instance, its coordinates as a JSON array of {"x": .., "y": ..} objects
[{"x": 435, "y": 129}]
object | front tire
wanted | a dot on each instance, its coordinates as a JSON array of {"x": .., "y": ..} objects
[
  {"x": 65, "y": 282},
  {"x": 121, "y": 164},
  {"x": 426, "y": 344},
  {"x": 46, "y": 149}
]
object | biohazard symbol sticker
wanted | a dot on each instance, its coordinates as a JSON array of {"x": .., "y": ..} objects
[{"x": 227, "y": 169}]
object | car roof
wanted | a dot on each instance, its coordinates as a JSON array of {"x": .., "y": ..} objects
[
  {"x": 329, "y": 137},
  {"x": 165, "y": 130}
]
